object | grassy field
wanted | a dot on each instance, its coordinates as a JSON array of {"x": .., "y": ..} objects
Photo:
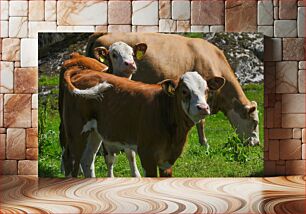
[{"x": 228, "y": 157}]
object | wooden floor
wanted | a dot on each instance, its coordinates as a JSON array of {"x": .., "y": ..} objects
[{"x": 132, "y": 195}]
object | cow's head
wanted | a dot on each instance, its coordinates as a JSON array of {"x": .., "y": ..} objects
[
  {"x": 122, "y": 57},
  {"x": 245, "y": 119},
  {"x": 192, "y": 91}
]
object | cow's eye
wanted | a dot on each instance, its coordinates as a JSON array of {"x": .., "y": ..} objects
[
  {"x": 114, "y": 56},
  {"x": 185, "y": 92}
]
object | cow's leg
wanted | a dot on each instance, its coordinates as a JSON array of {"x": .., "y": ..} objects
[
  {"x": 89, "y": 154},
  {"x": 110, "y": 158},
  {"x": 148, "y": 163},
  {"x": 67, "y": 163},
  {"x": 201, "y": 134},
  {"x": 131, "y": 156}
]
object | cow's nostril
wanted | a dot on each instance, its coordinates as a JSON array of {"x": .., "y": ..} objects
[
  {"x": 126, "y": 63},
  {"x": 199, "y": 107}
]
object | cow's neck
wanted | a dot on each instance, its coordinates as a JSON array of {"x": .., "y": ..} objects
[
  {"x": 178, "y": 125},
  {"x": 230, "y": 91}
]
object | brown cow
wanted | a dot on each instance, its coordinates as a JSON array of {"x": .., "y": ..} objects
[
  {"x": 120, "y": 58},
  {"x": 152, "y": 118},
  {"x": 169, "y": 56}
]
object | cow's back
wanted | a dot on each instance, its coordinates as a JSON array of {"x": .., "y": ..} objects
[{"x": 167, "y": 57}]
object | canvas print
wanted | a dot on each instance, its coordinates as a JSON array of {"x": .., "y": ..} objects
[{"x": 151, "y": 104}]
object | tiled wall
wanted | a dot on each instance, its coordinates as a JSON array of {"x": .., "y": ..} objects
[{"x": 282, "y": 20}]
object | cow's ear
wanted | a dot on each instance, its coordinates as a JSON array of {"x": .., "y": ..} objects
[
  {"x": 252, "y": 107},
  {"x": 216, "y": 83},
  {"x": 140, "y": 50},
  {"x": 101, "y": 54},
  {"x": 169, "y": 86}
]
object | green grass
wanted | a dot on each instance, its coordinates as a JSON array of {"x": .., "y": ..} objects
[{"x": 194, "y": 161}]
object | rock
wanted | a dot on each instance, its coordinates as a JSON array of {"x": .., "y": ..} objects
[{"x": 244, "y": 52}]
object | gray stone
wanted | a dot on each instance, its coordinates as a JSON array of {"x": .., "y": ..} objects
[
  {"x": 301, "y": 22},
  {"x": 302, "y": 65},
  {"x": 266, "y": 30},
  {"x": 216, "y": 28},
  {"x": 273, "y": 49},
  {"x": 285, "y": 28},
  {"x": 265, "y": 12}
]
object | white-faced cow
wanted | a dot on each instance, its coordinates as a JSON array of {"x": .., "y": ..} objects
[
  {"x": 153, "y": 119},
  {"x": 169, "y": 56},
  {"x": 121, "y": 58}
]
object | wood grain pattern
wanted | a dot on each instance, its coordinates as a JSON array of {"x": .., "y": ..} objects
[{"x": 132, "y": 195}]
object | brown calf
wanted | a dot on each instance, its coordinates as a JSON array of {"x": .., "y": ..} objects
[{"x": 153, "y": 119}]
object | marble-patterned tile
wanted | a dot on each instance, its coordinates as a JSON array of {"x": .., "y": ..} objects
[
  {"x": 50, "y": 10},
  {"x": 75, "y": 28},
  {"x": 29, "y": 53},
  {"x": 301, "y": 81},
  {"x": 11, "y": 49},
  {"x": 90, "y": 12},
  {"x": 4, "y": 29},
  {"x": 297, "y": 133},
  {"x": 164, "y": 9},
  {"x": 286, "y": 77},
  {"x": 180, "y": 10},
  {"x": 145, "y": 13},
  {"x": 101, "y": 28},
  {"x": 290, "y": 149},
  {"x": 147, "y": 28},
  {"x": 207, "y": 12},
  {"x": 4, "y": 6},
  {"x": 26, "y": 80},
  {"x": 35, "y": 118},
  {"x": 265, "y": 12},
  {"x": 2, "y": 146},
  {"x": 200, "y": 28},
  {"x": 216, "y": 28},
  {"x": 279, "y": 133},
  {"x": 293, "y": 103},
  {"x": 304, "y": 135},
  {"x": 295, "y": 167},
  {"x": 167, "y": 25},
  {"x": 119, "y": 12},
  {"x": 240, "y": 15},
  {"x": 119, "y": 28},
  {"x": 274, "y": 150},
  {"x": 27, "y": 167},
  {"x": 32, "y": 138},
  {"x": 301, "y": 22},
  {"x": 35, "y": 101},
  {"x": 39, "y": 26},
  {"x": 36, "y": 10},
  {"x": 8, "y": 167},
  {"x": 1, "y": 110},
  {"x": 293, "y": 120},
  {"x": 17, "y": 110},
  {"x": 18, "y": 8},
  {"x": 183, "y": 26},
  {"x": 285, "y": 28},
  {"x": 294, "y": 49},
  {"x": 15, "y": 144},
  {"x": 6, "y": 77},
  {"x": 273, "y": 49},
  {"x": 18, "y": 27},
  {"x": 32, "y": 154},
  {"x": 287, "y": 9},
  {"x": 266, "y": 30}
]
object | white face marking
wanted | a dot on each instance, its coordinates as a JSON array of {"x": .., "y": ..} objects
[
  {"x": 246, "y": 128},
  {"x": 122, "y": 59},
  {"x": 194, "y": 96}
]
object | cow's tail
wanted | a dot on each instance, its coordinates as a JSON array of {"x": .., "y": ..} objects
[
  {"x": 95, "y": 92},
  {"x": 91, "y": 41}
]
